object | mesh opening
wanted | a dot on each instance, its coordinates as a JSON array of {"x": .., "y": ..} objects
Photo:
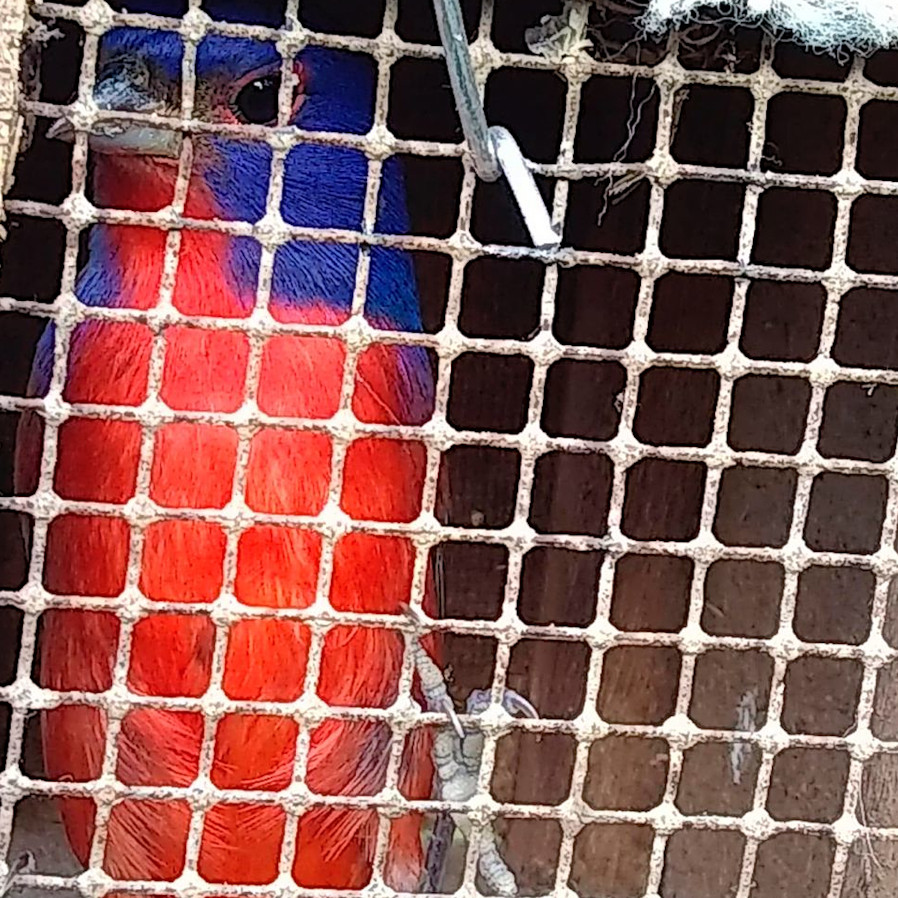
[{"x": 654, "y": 484}]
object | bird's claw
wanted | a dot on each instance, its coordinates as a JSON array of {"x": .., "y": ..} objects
[
  {"x": 457, "y": 757},
  {"x": 433, "y": 684},
  {"x": 449, "y": 707},
  {"x": 513, "y": 702}
]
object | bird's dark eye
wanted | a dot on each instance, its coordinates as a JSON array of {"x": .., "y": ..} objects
[{"x": 257, "y": 102}]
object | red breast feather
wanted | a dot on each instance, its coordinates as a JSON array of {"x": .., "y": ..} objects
[{"x": 193, "y": 466}]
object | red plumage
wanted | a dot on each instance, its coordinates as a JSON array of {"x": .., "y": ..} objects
[{"x": 193, "y": 466}]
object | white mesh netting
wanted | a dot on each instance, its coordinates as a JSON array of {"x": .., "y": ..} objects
[{"x": 658, "y": 476}]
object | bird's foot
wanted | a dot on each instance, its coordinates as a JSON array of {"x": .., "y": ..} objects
[{"x": 457, "y": 755}]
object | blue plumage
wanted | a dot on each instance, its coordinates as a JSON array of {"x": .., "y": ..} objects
[{"x": 324, "y": 186}]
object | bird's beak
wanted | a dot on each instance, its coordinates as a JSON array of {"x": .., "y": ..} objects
[{"x": 118, "y": 92}]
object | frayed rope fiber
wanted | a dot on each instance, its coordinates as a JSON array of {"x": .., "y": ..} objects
[{"x": 855, "y": 25}]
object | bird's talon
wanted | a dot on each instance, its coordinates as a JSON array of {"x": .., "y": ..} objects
[
  {"x": 413, "y": 614},
  {"x": 449, "y": 708},
  {"x": 513, "y": 702},
  {"x": 517, "y": 705}
]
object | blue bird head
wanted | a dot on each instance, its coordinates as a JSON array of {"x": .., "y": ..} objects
[{"x": 238, "y": 81}]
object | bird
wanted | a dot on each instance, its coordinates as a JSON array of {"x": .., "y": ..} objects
[{"x": 193, "y": 461}]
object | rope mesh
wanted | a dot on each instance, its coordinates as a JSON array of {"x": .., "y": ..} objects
[{"x": 757, "y": 677}]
